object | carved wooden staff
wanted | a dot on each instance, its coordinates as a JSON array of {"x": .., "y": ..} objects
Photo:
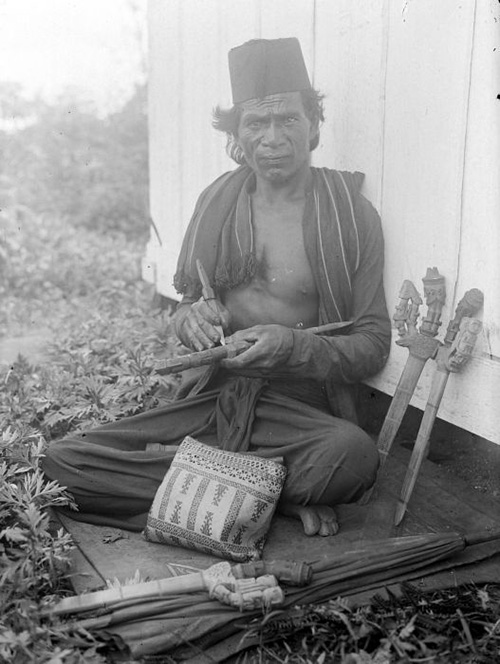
[
  {"x": 245, "y": 586},
  {"x": 451, "y": 357},
  {"x": 214, "y": 355},
  {"x": 421, "y": 346}
]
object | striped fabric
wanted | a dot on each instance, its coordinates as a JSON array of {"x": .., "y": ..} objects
[{"x": 220, "y": 234}]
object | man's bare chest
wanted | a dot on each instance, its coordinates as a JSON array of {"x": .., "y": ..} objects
[
  {"x": 283, "y": 289},
  {"x": 282, "y": 261}
]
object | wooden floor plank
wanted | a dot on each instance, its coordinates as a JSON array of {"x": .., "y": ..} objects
[
  {"x": 84, "y": 576},
  {"x": 449, "y": 497},
  {"x": 439, "y": 504}
]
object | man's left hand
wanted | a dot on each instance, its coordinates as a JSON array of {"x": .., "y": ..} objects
[{"x": 271, "y": 347}]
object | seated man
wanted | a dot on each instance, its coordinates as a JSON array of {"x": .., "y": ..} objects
[{"x": 286, "y": 247}]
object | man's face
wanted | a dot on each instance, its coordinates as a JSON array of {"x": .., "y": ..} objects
[{"x": 274, "y": 134}]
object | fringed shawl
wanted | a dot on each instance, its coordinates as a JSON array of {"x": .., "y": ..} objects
[{"x": 220, "y": 234}]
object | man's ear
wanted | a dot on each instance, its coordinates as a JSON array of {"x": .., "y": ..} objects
[
  {"x": 236, "y": 150},
  {"x": 314, "y": 135},
  {"x": 314, "y": 130}
]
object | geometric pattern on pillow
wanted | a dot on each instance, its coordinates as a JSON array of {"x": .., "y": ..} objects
[{"x": 214, "y": 501}]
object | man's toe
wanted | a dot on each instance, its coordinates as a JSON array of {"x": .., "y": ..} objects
[
  {"x": 329, "y": 524},
  {"x": 328, "y": 528},
  {"x": 310, "y": 521}
]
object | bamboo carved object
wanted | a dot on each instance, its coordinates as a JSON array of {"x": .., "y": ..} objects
[
  {"x": 229, "y": 350},
  {"x": 422, "y": 346},
  {"x": 201, "y": 358},
  {"x": 246, "y": 586},
  {"x": 452, "y": 356}
]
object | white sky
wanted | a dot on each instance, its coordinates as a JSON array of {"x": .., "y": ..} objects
[{"x": 95, "y": 48}]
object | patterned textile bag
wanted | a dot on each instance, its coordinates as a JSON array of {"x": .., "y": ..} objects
[{"x": 215, "y": 501}]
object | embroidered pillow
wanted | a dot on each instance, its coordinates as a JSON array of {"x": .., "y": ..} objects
[{"x": 215, "y": 501}]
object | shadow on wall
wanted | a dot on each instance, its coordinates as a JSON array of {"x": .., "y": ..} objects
[{"x": 472, "y": 458}]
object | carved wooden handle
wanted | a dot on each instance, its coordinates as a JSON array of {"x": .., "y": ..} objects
[
  {"x": 435, "y": 297},
  {"x": 463, "y": 345},
  {"x": 468, "y": 306},
  {"x": 249, "y": 594},
  {"x": 201, "y": 358},
  {"x": 207, "y": 290},
  {"x": 407, "y": 310},
  {"x": 286, "y": 571}
]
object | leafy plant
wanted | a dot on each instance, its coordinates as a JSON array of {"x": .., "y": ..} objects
[
  {"x": 33, "y": 558},
  {"x": 64, "y": 160},
  {"x": 459, "y": 625},
  {"x": 99, "y": 366}
]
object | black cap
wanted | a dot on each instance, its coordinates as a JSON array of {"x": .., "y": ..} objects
[{"x": 262, "y": 67}]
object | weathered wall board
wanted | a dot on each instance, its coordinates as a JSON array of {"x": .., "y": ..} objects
[{"x": 410, "y": 100}]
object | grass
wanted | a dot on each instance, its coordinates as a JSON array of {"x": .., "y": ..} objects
[
  {"x": 460, "y": 625},
  {"x": 86, "y": 289}
]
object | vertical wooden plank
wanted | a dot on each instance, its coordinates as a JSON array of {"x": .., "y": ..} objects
[
  {"x": 480, "y": 238},
  {"x": 427, "y": 88},
  {"x": 282, "y": 18},
  {"x": 164, "y": 79},
  {"x": 480, "y": 229},
  {"x": 350, "y": 53},
  {"x": 198, "y": 64},
  {"x": 426, "y": 110}
]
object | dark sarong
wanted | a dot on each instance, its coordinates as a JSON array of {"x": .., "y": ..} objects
[{"x": 114, "y": 477}]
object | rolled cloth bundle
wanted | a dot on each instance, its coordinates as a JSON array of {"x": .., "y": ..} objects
[{"x": 150, "y": 626}]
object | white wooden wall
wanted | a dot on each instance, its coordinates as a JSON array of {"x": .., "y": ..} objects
[{"x": 411, "y": 101}]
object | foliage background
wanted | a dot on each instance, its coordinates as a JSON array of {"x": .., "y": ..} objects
[
  {"x": 73, "y": 224},
  {"x": 63, "y": 159}
]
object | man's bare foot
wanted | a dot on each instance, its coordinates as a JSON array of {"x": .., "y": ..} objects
[{"x": 316, "y": 519}]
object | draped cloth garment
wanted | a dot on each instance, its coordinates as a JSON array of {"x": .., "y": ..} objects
[
  {"x": 305, "y": 414},
  {"x": 220, "y": 234},
  {"x": 344, "y": 244}
]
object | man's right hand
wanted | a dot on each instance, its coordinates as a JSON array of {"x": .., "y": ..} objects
[{"x": 195, "y": 324}]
